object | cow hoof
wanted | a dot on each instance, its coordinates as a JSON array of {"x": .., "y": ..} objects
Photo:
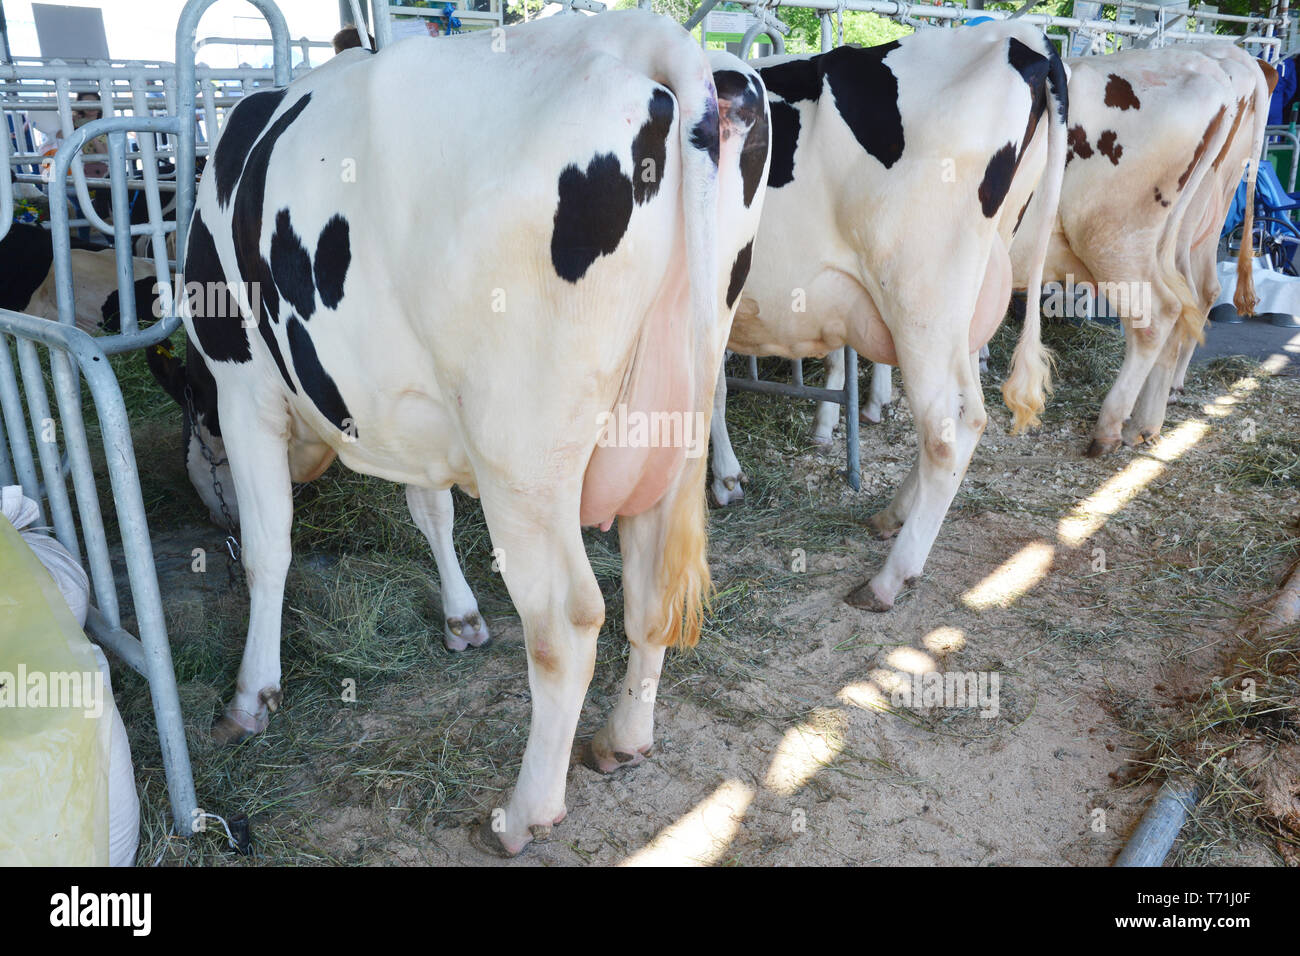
[
  {"x": 489, "y": 841},
  {"x": 467, "y": 631},
  {"x": 729, "y": 490},
  {"x": 235, "y": 726},
  {"x": 1175, "y": 396},
  {"x": 871, "y": 415},
  {"x": 864, "y": 597},
  {"x": 599, "y": 755},
  {"x": 1101, "y": 447},
  {"x": 1141, "y": 436},
  {"x": 821, "y": 444},
  {"x": 884, "y": 526}
]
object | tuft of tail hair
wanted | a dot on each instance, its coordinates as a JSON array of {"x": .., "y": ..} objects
[
  {"x": 684, "y": 578},
  {"x": 1245, "y": 298},
  {"x": 1026, "y": 389}
]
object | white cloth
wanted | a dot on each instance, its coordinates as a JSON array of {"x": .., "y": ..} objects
[
  {"x": 123, "y": 801},
  {"x": 63, "y": 567},
  {"x": 1277, "y": 292}
]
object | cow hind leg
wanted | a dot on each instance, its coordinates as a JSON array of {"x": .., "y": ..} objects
[
  {"x": 1148, "y": 414},
  {"x": 433, "y": 513},
  {"x": 545, "y": 568},
  {"x": 1145, "y": 334},
  {"x": 1185, "y": 350},
  {"x": 828, "y": 413},
  {"x": 259, "y": 462},
  {"x": 628, "y": 736},
  {"x": 727, "y": 476},
  {"x": 949, "y": 407},
  {"x": 880, "y": 394}
]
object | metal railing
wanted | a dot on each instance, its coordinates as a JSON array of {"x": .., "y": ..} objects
[{"x": 74, "y": 356}]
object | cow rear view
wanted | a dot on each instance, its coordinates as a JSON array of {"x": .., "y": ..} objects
[{"x": 493, "y": 332}]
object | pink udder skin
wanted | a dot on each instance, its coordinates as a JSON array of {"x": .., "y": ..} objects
[{"x": 629, "y": 480}]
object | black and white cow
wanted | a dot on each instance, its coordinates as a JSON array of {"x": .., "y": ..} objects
[
  {"x": 27, "y": 280},
  {"x": 459, "y": 263},
  {"x": 898, "y": 173}
]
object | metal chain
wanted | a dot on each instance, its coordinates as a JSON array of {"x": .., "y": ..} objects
[{"x": 233, "y": 550}]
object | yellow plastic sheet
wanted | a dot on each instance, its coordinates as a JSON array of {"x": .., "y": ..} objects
[{"x": 54, "y": 731}]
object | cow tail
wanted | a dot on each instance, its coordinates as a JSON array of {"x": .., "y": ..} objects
[
  {"x": 1245, "y": 298},
  {"x": 1026, "y": 389},
  {"x": 684, "y": 580}
]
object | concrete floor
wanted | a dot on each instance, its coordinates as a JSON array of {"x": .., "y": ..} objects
[{"x": 1254, "y": 337}]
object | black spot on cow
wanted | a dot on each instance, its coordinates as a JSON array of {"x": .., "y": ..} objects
[
  {"x": 1033, "y": 69},
  {"x": 649, "y": 148},
  {"x": 1020, "y": 217},
  {"x": 1077, "y": 141},
  {"x": 246, "y": 121},
  {"x": 1032, "y": 66},
  {"x": 333, "y": 256},
  {"x": 270, "y": 300},
  {"x": 217, "y": 321},
  {"x": 1119, "y": 93},
  {"x": 1160, "y": 198},
  {"x": 1058, "y": 82},
  {"x": 865, "y": 91},
  {"x": 997, "y": 180},
  {"x": 794, "y": 80},
  {"x": 316, "y": 382},
  {"x": 739, "y": 273},
  {"x": 754, "y": 157},
  {"x": 740, "y": 101},
  {"x": 785, "y": 139},
  {"x": 1108, "y": 145},
  {"x": 291, "y": 267},
  {"x": 146, "y": 299},
  {"x": 591, "y": 216},
  {"x": 246, "y": 218},
  {"x": 26, "y": 258},
  {"x": 704, "y": 135},
  {"x": 272, "y": 346}
]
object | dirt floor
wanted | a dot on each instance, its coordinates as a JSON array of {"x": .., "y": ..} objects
[{"x": 1102, "y": 595}]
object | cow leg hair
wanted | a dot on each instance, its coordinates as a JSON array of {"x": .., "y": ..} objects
[{"x": 433, "y": 513}]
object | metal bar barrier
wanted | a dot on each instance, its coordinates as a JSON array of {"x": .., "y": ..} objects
[{"x": 151, "y": 653}]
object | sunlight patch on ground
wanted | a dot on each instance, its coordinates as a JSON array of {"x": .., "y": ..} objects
[
  {"x": 803, "y": 751},
  {"x": 703, "y": 834},
  {"x": 1005, "y": 585}
]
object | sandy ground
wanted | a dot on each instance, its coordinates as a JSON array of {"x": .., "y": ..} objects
[{"x": 778, "y": 741}]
